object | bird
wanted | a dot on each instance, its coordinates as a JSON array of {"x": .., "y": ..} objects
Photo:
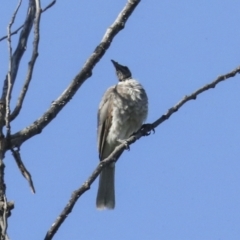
[{"x": 122, "y": 111}]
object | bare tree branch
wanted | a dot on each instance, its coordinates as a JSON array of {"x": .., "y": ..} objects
[
  {"x": 48, "y": 6},
  {"x": 12, "y": 33},
  {"x": 35, "y": 128},
  {"x": 194, "y": 95},
  {"x": 21, "y": 47},
  {"x": 16, "y": 154},
  {"x": 4, "y": 223},
  {"x": 9, "y": 75},
  {"x": 4, "y": 117},
  {"x": 114, "y": 156},
  {"x": 22, "y": 168},
  {"x": 16, "y": 31},
  {"x": 31, "y": 64}
]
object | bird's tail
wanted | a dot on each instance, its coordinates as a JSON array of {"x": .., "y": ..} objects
[{"x": 106, "y": 192}]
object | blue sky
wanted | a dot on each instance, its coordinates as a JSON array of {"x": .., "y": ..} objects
[{"x": 180, "y": 183}]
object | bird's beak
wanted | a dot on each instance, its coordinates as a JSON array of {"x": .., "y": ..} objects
[
  {"x": 115, "y": 63},
  {"x": 118, "y": 66},
  {"x": 123, "y": 72}
]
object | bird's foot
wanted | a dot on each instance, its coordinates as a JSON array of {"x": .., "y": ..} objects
[
  {"x": 125, "y": 142},
  {"x": 146, "y": 129}
]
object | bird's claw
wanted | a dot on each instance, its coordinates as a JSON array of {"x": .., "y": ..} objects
[
  {"x": 125, "y": 142},
  {"x": 146, "y": 129}
]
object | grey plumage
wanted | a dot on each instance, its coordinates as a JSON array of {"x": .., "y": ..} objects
[{"x": 122, "y": 111}]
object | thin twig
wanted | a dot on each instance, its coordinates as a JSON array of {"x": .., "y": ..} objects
[
  {"x": 22, "y": 168},
  {"x": 57, "y": 105},
  {"x": 16, "y": 31},
  {"x": 31, "y": 63},
  {"x": 194, "y": 95},
  {"x": 48, "y": 6},
  {"x": 9, "y": 76},
  {"x": 21, "y": 47},
  {"x": 12, "y": 33},
  {"x": 114, "y": 156}
]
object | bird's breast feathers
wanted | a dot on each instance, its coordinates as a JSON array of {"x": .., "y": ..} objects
[{"x": 129, "y": 109}]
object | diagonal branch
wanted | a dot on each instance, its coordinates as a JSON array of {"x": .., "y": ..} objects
[
  {"x": 114, "y": 156},
  {"x": 36, "y": 127},
  {"x": 31, "y": 64},
  {"x": 22, "y": 168},
  {"x": 194, "y": 95}
]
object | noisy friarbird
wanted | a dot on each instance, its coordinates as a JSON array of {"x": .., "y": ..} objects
[{"x": 122, "y": 111}]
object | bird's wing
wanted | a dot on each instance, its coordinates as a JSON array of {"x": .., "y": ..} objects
[{"x": 104, "y": 119}]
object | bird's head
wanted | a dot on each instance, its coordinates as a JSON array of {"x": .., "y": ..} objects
[{"x": 123, "y": 73}]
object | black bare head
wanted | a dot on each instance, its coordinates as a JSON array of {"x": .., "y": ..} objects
[{"x": 123, "y": 72}]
